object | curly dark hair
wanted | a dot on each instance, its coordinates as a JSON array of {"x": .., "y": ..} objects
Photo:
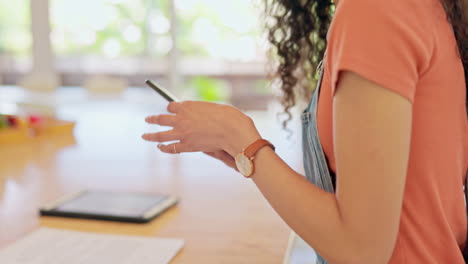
[{"x": 297, "y": 30}]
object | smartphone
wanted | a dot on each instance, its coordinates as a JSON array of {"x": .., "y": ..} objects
[{"x": 161, "y": 91}]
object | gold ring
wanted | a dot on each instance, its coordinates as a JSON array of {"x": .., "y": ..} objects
[{"x": 175, "y": 149}]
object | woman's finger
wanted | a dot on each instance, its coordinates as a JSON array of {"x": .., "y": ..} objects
[
  {"x": 162, "y": 120},
  {"x": 224, "y": 157},
  {"x": 227, "y": 159},
  {"x": 211, "y": 154},
  {"x": 165, "y": 136},
  {"x": 174, "y": 107},
  {"x": 174, "y": 148}
]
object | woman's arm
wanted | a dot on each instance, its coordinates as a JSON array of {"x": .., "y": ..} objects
[
  {"x": 359, "y": 224},
  {"x": 372, "y": 128}
]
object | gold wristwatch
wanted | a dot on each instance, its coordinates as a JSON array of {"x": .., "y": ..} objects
[{"x": 244, "y": 160}]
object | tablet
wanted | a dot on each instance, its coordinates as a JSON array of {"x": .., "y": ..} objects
[{"x": 113, "y": 206}]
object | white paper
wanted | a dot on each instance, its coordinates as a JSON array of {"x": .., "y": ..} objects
[
  {"x": 299, "y": 252},
  {"x": 55, "y": 246}
]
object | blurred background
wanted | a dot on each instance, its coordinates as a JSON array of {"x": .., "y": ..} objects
[
  {"x": 200, "y": 49},
  {"x": 73, "y": 101}
]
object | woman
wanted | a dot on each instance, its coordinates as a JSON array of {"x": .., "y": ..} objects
[{"x": 388, "y": 118}]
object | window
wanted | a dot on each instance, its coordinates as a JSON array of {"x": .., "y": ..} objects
[
  {"x": 15, "y": 37},
  {"x": 212, "y": 47},
  {"x": 110, "y": 28},
  {"x": 226, "y": 30}
]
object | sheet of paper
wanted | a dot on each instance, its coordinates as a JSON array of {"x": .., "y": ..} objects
[
  {"x": 299, "y": 252},
  {"x": 56, "y": 246}
]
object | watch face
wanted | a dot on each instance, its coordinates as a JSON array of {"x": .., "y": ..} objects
[{"x": 244, "y": 164}]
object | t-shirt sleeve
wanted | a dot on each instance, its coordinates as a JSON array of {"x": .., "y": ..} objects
[{"x": 386, "y": 42}]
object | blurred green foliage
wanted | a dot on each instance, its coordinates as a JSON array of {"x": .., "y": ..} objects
[
  {"x": 207, "y": 28},
  {"x": 93, "y": 27},
  {"x": 262, "y": 87},
  {"x": 217, "y": 29},
  {"x": 15, "y": 37},
  {"x": 210, "y": 89}
]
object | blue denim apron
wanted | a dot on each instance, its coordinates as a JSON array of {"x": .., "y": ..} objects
[{"x": 315, "y": 162}]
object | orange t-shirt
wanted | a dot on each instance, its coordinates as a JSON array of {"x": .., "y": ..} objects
[{"x": 409, "y": 47}]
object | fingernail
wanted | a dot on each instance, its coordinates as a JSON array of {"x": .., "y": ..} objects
[
  {"x": 160, "y": 145},
  {"x": 143, "y": 136}
]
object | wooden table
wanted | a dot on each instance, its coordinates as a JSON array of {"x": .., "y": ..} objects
[{"x": 222, "y": 216}]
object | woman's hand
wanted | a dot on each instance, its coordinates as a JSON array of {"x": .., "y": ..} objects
[
  {"x": 224, "y": 157},
  {"x": 203, "y": 126}
]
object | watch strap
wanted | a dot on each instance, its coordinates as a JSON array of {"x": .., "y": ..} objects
[{"x": 253, "y": 148}]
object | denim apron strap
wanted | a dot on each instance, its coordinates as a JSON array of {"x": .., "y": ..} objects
[
  {"x": 315, "y": 162},
  {"x": 465, "y": 250}
]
